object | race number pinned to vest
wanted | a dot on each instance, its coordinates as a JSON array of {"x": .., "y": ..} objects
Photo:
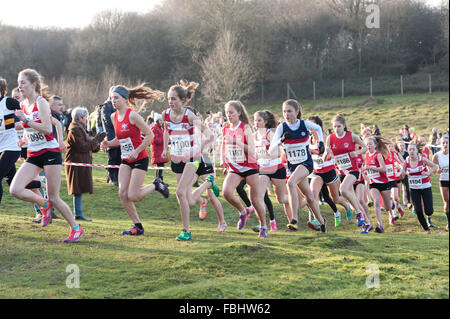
[
  {"x": 2, "y": 122},
  {"x": 235, "y": 154},
  {"x": 318, "y": 161},
  {"x": 372, "y": 174},
  {"x": 415, "y": 180},
  {"x": 444, "y": 174},
  {"x": 180, "y": 144},
  {"x": 390, "y": 170},
  {"x": 343, "y": 161},
  {"x": 35, "y": 140},
  {"x": 296, "y": 153},
  {"x": 126, "y": 147}
]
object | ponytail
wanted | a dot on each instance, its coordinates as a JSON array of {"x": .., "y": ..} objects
[
  {"x": 185, "y": 90},
  {"x": 269, "y": 118}
]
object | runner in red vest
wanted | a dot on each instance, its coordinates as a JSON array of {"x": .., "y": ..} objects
[
  {"x": 419, "y": 169},
  {"x": 184, "y": 131},
  {"x": 43, "y": 153},
  {"x": 342, "y": 145},
  {"x": 238, "y": 154},
  {"x": 128, "y": 126},
  {"x": 375, "y": 171}
]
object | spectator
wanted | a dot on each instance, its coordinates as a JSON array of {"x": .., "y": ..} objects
[
  {"x": 376, "y": 130},
  {"x": 79, "y": 150},
  {"x": 150, "y": 120},
  {"x": 158, "y": 145},
  {"x": 434, "y": 140},
  {"x": 406, "y": 136},
  {"x": 113, "y": 152}
]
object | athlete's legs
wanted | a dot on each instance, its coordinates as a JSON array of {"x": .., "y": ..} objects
[
  {"x": 230, "y": 183},
  {"x": 125, "y": 172},
  {"x": 53, "y": 176},
  {"x": 257, "y": 197}
]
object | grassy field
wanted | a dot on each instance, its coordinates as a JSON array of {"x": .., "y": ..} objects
[{"x": 234, "y": 264}]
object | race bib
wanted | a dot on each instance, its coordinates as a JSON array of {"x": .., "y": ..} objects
[
  {"x": 390, "y": 170},
  {"x": 318, "y": 161},
  {"x": 35, "y": 140},
  {"x": 343, "y": 161},
  {"x": 415, "y": 180},
  {"x": 296, "y": 153},
  {"x": 126, "y": 147},
  {"x": 372, "y": 174},
  {"x": 444, "y": 174},
  {"x": 235, "y": 154},
  {"x": 179, "y": 145},
  {"x": 2, "y": 122}
]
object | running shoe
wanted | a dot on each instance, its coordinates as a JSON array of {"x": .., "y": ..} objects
[
  {"x": 38, "y": 218},
  {"x": 184, "y": 235},
  {"x": 46, "y": 214},
  {"x": 292, "y": 227},
  {"x": 313, "y": 224},
  {"x": 256, "y": 228},
  {"x": 430, "y": 223},
  {"x": 161, "y": 187},
  {"x": 360, "y": 220},
  {"x": 401, "y": 211},
  {"x": 250, "y": 210},
  {"x": 202, "y": 212},
  {"x": 263, "y": 233},
  {"x": 370, "y": 203},
  {"x": 395, "y": 214},
  {"x": 414, "y": 211},
  {"x": 367, "y": 228},
  {"x": 337, "y": 219},
  {"x": 409, "y": 206},
  {"x": 428, "y": 232},
  {"x": 74, "y": 235},
  {"x": 349, "y": 214},
  {"x": 379, "y": 229},
  {"x": 221, "y": 228},
  {"x": 214, "y": 187},
  {"x": 391, "y": 220},
  {"x": 242, "y": 220},
  {"x": 323, "y": 227},
  {"x": 393, "y": 204},
  {"x": 273, "y": 226},
  {"x": 133, "y": 231}
]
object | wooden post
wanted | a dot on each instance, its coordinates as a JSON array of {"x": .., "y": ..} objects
[
  {"x": 342, "y": 88},
  {"x": 401, "y": 84},
  {"x": 429, "y": 82},
  {"x": 262, "y": 93},
  {"x": 287, "y": 89},
  {"x": 314, "y": 90}
]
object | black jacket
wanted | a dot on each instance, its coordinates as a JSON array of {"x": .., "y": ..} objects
[{"x": 106, "y": 110}]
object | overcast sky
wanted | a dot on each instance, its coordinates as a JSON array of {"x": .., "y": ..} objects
[{"x": 73, "y": 14}]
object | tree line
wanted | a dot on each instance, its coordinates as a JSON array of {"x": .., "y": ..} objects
[{"x": 229, "y": 46}]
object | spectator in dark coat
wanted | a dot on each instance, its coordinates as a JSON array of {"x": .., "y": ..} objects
[
  {"x": 113, "y": 152},
  {"x": 79, "y": 150},
  {"x": 158, "y": 145}
]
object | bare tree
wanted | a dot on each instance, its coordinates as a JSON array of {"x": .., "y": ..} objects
[{"x": 227, "y": 72}]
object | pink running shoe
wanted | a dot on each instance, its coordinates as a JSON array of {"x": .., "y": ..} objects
[
  {"x": 401, "y": 211},
  {"x": 74, "y": 236},
  {"x": 250, "y": 210},
  {"x": 273, "y": 225},
  {"x": 391, "y": 220},
  {"x": 46, "y": 215}
]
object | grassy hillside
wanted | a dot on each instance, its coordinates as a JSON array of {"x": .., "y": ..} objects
[
  {"x": 422, "y": 111},
  {"x": 234, "y": 264}
]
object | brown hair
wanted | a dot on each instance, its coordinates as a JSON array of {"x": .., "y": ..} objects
[
  {"x": 35, "y": 78},
  {"x": 296, "y": 106},
  {"x": 381, "y": 144},
  {"x": 142, "y": 92},
  {"x": 268, "y": 117},
  {"x": 341, "y": 119},
  {"x": 419, "y": 146},
  {"x": 3, "y": 87},
  {"x": 240, "y": 108},
  {"x": 185, "y": 90}
]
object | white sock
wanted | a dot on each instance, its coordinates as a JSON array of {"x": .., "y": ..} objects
[{"x": 243, "y": 212}]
